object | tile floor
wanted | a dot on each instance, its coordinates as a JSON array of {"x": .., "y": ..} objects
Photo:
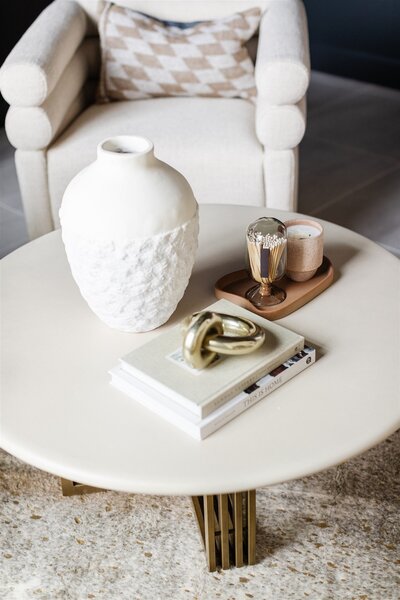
[{"x": 349, "y": 163}]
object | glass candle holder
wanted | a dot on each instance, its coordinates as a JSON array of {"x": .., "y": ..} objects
[{"x": 266, "y": 248}]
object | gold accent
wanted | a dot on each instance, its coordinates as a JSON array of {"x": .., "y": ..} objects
[
  {"x": 72, "y": 488},
  {"x": 198, "y": 506},
  {"x": 197, "y": 330},
  {"x": 238, "y": 524},
  {"x": 224, "y": 527},
  {"x": 227, "y": 524},
  {"x": 210, "y": 542},
  {"x": 251, "y": 527},
  {"x": 207, "y": 334}
]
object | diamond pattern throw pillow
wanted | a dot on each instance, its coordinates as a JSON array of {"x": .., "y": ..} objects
[{"x": 143, "y": 57}]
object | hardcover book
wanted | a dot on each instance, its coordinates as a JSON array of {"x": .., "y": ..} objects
[
  {"x": 201, "y": 428},
  {"x": 160, "y": 365}
]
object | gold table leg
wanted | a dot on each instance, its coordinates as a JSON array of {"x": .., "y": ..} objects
[
  {"x": 227, "y": 524},
  {"x": 72, "y": 488}
]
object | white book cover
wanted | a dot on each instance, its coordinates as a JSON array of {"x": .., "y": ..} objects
[
  {"x": 159, "y": 364},
  {"x": 202, "y": 428}
]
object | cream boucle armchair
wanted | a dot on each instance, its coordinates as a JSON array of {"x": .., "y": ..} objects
[{"x": 230, "y": 150}]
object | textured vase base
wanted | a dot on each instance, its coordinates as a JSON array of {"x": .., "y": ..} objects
[
  {"x": 136, "y": 327},
  {"x": 133, "y": 286},
  {"x": 259, "y": 300}
]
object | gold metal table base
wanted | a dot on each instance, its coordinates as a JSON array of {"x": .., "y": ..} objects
[
  {"x": 72, "y": 488},
  {"x": 227, "y": 524}
]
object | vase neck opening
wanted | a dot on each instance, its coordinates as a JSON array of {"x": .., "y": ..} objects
[{"x": 126, "y": 148}]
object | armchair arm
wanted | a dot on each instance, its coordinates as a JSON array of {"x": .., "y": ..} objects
[
  {"x": 35, "y": 127},
  {"x": 281, "y": 127},
  {"x": 282, "y": 69},
  {"x": 33, "y": 68}
]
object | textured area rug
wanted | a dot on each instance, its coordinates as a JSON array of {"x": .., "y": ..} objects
[{"x": 334, "y": 535}]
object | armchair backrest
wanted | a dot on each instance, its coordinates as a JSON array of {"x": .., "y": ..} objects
[{"x": 178, "y": 10}]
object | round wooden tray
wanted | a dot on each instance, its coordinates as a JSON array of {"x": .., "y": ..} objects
[{"x": 234, "y": 286}]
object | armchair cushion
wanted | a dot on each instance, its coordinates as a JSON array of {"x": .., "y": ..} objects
[{"x": 144, "y": 57}]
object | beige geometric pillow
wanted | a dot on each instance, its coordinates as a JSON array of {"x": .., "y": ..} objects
[{"x": 143, "y": 57}]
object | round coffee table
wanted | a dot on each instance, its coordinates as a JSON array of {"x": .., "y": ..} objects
[{"x": 59, "y": 413}]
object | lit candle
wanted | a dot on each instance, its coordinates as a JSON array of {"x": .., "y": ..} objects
[{"x": 301, "y": 232}]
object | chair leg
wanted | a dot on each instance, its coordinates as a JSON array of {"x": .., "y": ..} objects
[
  {"x": 33, "y": 183},
  {"x": 227, "y": 524},
  {"x": 72, "y": 488},
  {"x": 281, "y": 178}
]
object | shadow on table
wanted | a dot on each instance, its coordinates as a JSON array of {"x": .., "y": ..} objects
[
  {"x": 340, "y": 255},
  {"x": 200, "y": 291}
]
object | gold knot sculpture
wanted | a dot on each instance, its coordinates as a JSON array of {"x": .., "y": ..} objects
[{"x": 208, "y": 334}]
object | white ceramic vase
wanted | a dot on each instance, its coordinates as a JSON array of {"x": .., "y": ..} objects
[{"x": 130, "y": 227}]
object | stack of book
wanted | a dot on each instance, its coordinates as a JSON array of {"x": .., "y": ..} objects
[{"x": 201, "y": 402}]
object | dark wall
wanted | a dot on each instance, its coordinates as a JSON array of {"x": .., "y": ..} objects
[
  {"x": 353, "y": 38},
  {"x": 15, "y": 18},
  {"x": 356, "y": 38}
]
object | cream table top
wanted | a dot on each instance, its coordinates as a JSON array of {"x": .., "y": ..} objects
[{"x": 59, "y": 413}]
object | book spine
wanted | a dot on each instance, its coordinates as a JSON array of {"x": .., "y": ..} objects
[
  {"x": 162, "y": 389},
  {"x": 253, "y": 378},
  {"x": 263, "y": 388},
  {"x": 159, "y": 408}
]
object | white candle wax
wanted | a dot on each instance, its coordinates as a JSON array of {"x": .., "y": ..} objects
[{"x": 301, "y": 232}]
